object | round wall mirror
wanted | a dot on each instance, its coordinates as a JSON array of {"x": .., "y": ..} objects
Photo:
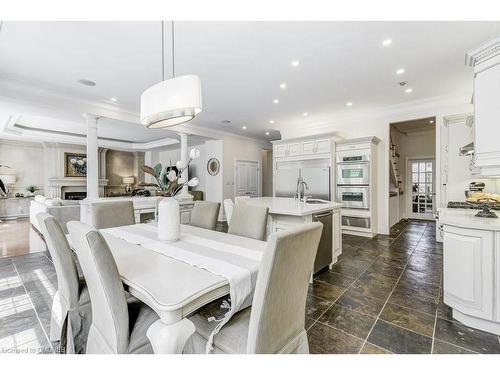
[{"x": 213, "y": 166}]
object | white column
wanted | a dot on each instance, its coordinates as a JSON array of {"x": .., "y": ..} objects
[
  {"x": 92, "y": 158},
  {"x": 184, "y": 159}
]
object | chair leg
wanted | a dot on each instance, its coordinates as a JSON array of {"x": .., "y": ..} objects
[{"x": 58, "y": 315}]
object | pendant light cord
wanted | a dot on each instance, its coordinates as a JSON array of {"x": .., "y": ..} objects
[
  {"x": 173, "y": 50},
  {"x": 163, "y": 51}
]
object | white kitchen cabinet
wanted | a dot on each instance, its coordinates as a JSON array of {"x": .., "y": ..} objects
[
  {"x": 467, "y": 271},
  {"x": 304, "y": 147},
  {"x": 294, "y": 149},
  {"x": 185, "y": 211},
  {"x": 486, "y": 63},
  {"x": 280, "y": 150},
  {"x": 323, "y": 146},
  {"x": 337, "y": 235},
  {"x": 308, "y": 147}
]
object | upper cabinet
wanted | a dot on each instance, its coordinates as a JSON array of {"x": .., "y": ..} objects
[
  {"x": 486, "y": 63},
  {"x": 302, "y": 147}
]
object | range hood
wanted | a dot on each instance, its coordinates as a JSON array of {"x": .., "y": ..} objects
[{"x": 467, "y": 150}]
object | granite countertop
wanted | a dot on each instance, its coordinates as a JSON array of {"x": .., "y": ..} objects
[
  {"x": 290, "y": 206},
  {"x": 465, "y": 218}
]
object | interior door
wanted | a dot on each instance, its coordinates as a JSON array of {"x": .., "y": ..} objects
[
  {"x": 421, "y": 188},
  {"x": 246, "y": 178}
]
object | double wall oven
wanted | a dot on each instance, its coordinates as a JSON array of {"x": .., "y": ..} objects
[{"x": 353, "y": 180}]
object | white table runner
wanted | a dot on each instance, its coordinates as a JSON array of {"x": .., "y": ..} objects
[{"x": 237, "y": 264}]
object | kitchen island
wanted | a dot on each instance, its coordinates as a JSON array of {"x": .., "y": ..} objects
[
  {"x": 286, "y": 213},
  {"x": 471, "y": 267}
]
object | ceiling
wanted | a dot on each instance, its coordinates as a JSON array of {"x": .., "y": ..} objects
[
  {"x": 415, "y": 126},
  {"x": 242, "y": 64}
]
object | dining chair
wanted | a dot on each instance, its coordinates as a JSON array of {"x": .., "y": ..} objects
[
  {"x": 111, "y": 214},
  {"x": 71, "y": 313},
  {"x": 275, "y": 323},
  {"x": 205, "y": 214},
  {"x": 228, "y": 209},
  {"x": 118, "y": 326},
  {"x": 249, "y": 221}
]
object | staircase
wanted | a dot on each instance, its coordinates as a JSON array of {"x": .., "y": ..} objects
[{"x": 395, "y": 170}]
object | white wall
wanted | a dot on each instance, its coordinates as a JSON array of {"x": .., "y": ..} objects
[
  {"x": 27, "y": 163},
  {"x": 377, "y": 124},
  {"x": 239, "y": 149},
  {"x": 172, "y": 155}
]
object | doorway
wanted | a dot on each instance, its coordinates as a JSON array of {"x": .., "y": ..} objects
[
  {"x": 412, "y": 191},
  {"x": 246, "y": 178},
  {"x": 421, "y": 203}
]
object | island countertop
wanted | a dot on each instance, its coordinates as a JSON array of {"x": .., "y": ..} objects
[
  {"x": 465, "y": 218},
  {"x": 290, "y": 206}
]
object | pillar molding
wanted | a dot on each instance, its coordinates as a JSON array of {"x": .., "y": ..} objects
[
  {"x": 92, "y": 157},
  {"x": 184, "y": 195}
]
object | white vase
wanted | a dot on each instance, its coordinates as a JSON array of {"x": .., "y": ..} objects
[{"x": 169, "y": 220}]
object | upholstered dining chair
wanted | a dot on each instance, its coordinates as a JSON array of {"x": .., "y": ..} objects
[
  {"x": 205, "y": 214},
  {"x": 71, "y": 313},
  {"x": 249, "y": 221},
  {"x": 111, "y": 214},
  {"x": 228, "y": 209},
  {"x": 241, "y": 199},
  {"x": 118, "y": 326},
  {"x": 275, "y": 323}
]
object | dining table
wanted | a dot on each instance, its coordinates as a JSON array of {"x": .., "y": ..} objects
[{"x": 172, "y": 288}]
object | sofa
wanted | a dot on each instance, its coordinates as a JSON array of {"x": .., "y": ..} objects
[{"x": 63, "y": 210}]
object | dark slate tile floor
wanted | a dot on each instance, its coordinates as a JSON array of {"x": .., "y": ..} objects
[{"x": 383, "y": 296}]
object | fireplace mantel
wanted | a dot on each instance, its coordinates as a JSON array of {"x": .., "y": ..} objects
[{"x": 56, "y": 185}]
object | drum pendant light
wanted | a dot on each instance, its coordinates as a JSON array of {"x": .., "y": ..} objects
[{"x": 172, "y": 101}]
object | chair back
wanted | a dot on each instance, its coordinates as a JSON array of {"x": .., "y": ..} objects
[
  {"x": 228, "y": 209},
  {"x": 279, "y": 302},
  {"x": 240, "y": 199},
  {"x": 249, "y": 221},
  {"x": 111, "y": 214},
  {"x": 110, "y": 320},
  {"x": 205, "y": 214},
  {"x": 62, "y": 257}
]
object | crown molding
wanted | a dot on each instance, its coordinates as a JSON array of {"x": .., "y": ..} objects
[
  {"x": 394, "y": 113},
  {"x": 484, "y": 53}
]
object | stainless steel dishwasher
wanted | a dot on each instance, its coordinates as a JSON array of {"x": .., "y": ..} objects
[{"x": 324, "y": 254}]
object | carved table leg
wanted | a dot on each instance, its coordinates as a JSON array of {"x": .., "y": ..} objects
[{"x": 170, "y": 339}]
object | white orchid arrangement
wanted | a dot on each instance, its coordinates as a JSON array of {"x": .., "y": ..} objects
[{"x": 167, "y": 179}]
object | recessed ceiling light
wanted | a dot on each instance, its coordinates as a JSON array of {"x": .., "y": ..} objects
[
  {"x": 271, "y": 121},
  {"x": 387, "y": 42},
  {"x": 295, "y": 63},
  {"x": 348, "y": 104},
  {"x": 114, "y": 99},
  {"x": 267, "y": 133},
  {"x": 431, "y": 121},
  {"x": 86, "y": 82},
  {"x": 409, "y": 90},
  {"x": 244, "y": 127},
  {"x": 283, "y": 86},
  {"x": 400, "y": 71},
  {"x": 305, "y": 114},
  {"x": 276, "y": 101}
]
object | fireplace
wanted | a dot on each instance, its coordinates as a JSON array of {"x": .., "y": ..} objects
[{"x": 75, "y": 195}]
